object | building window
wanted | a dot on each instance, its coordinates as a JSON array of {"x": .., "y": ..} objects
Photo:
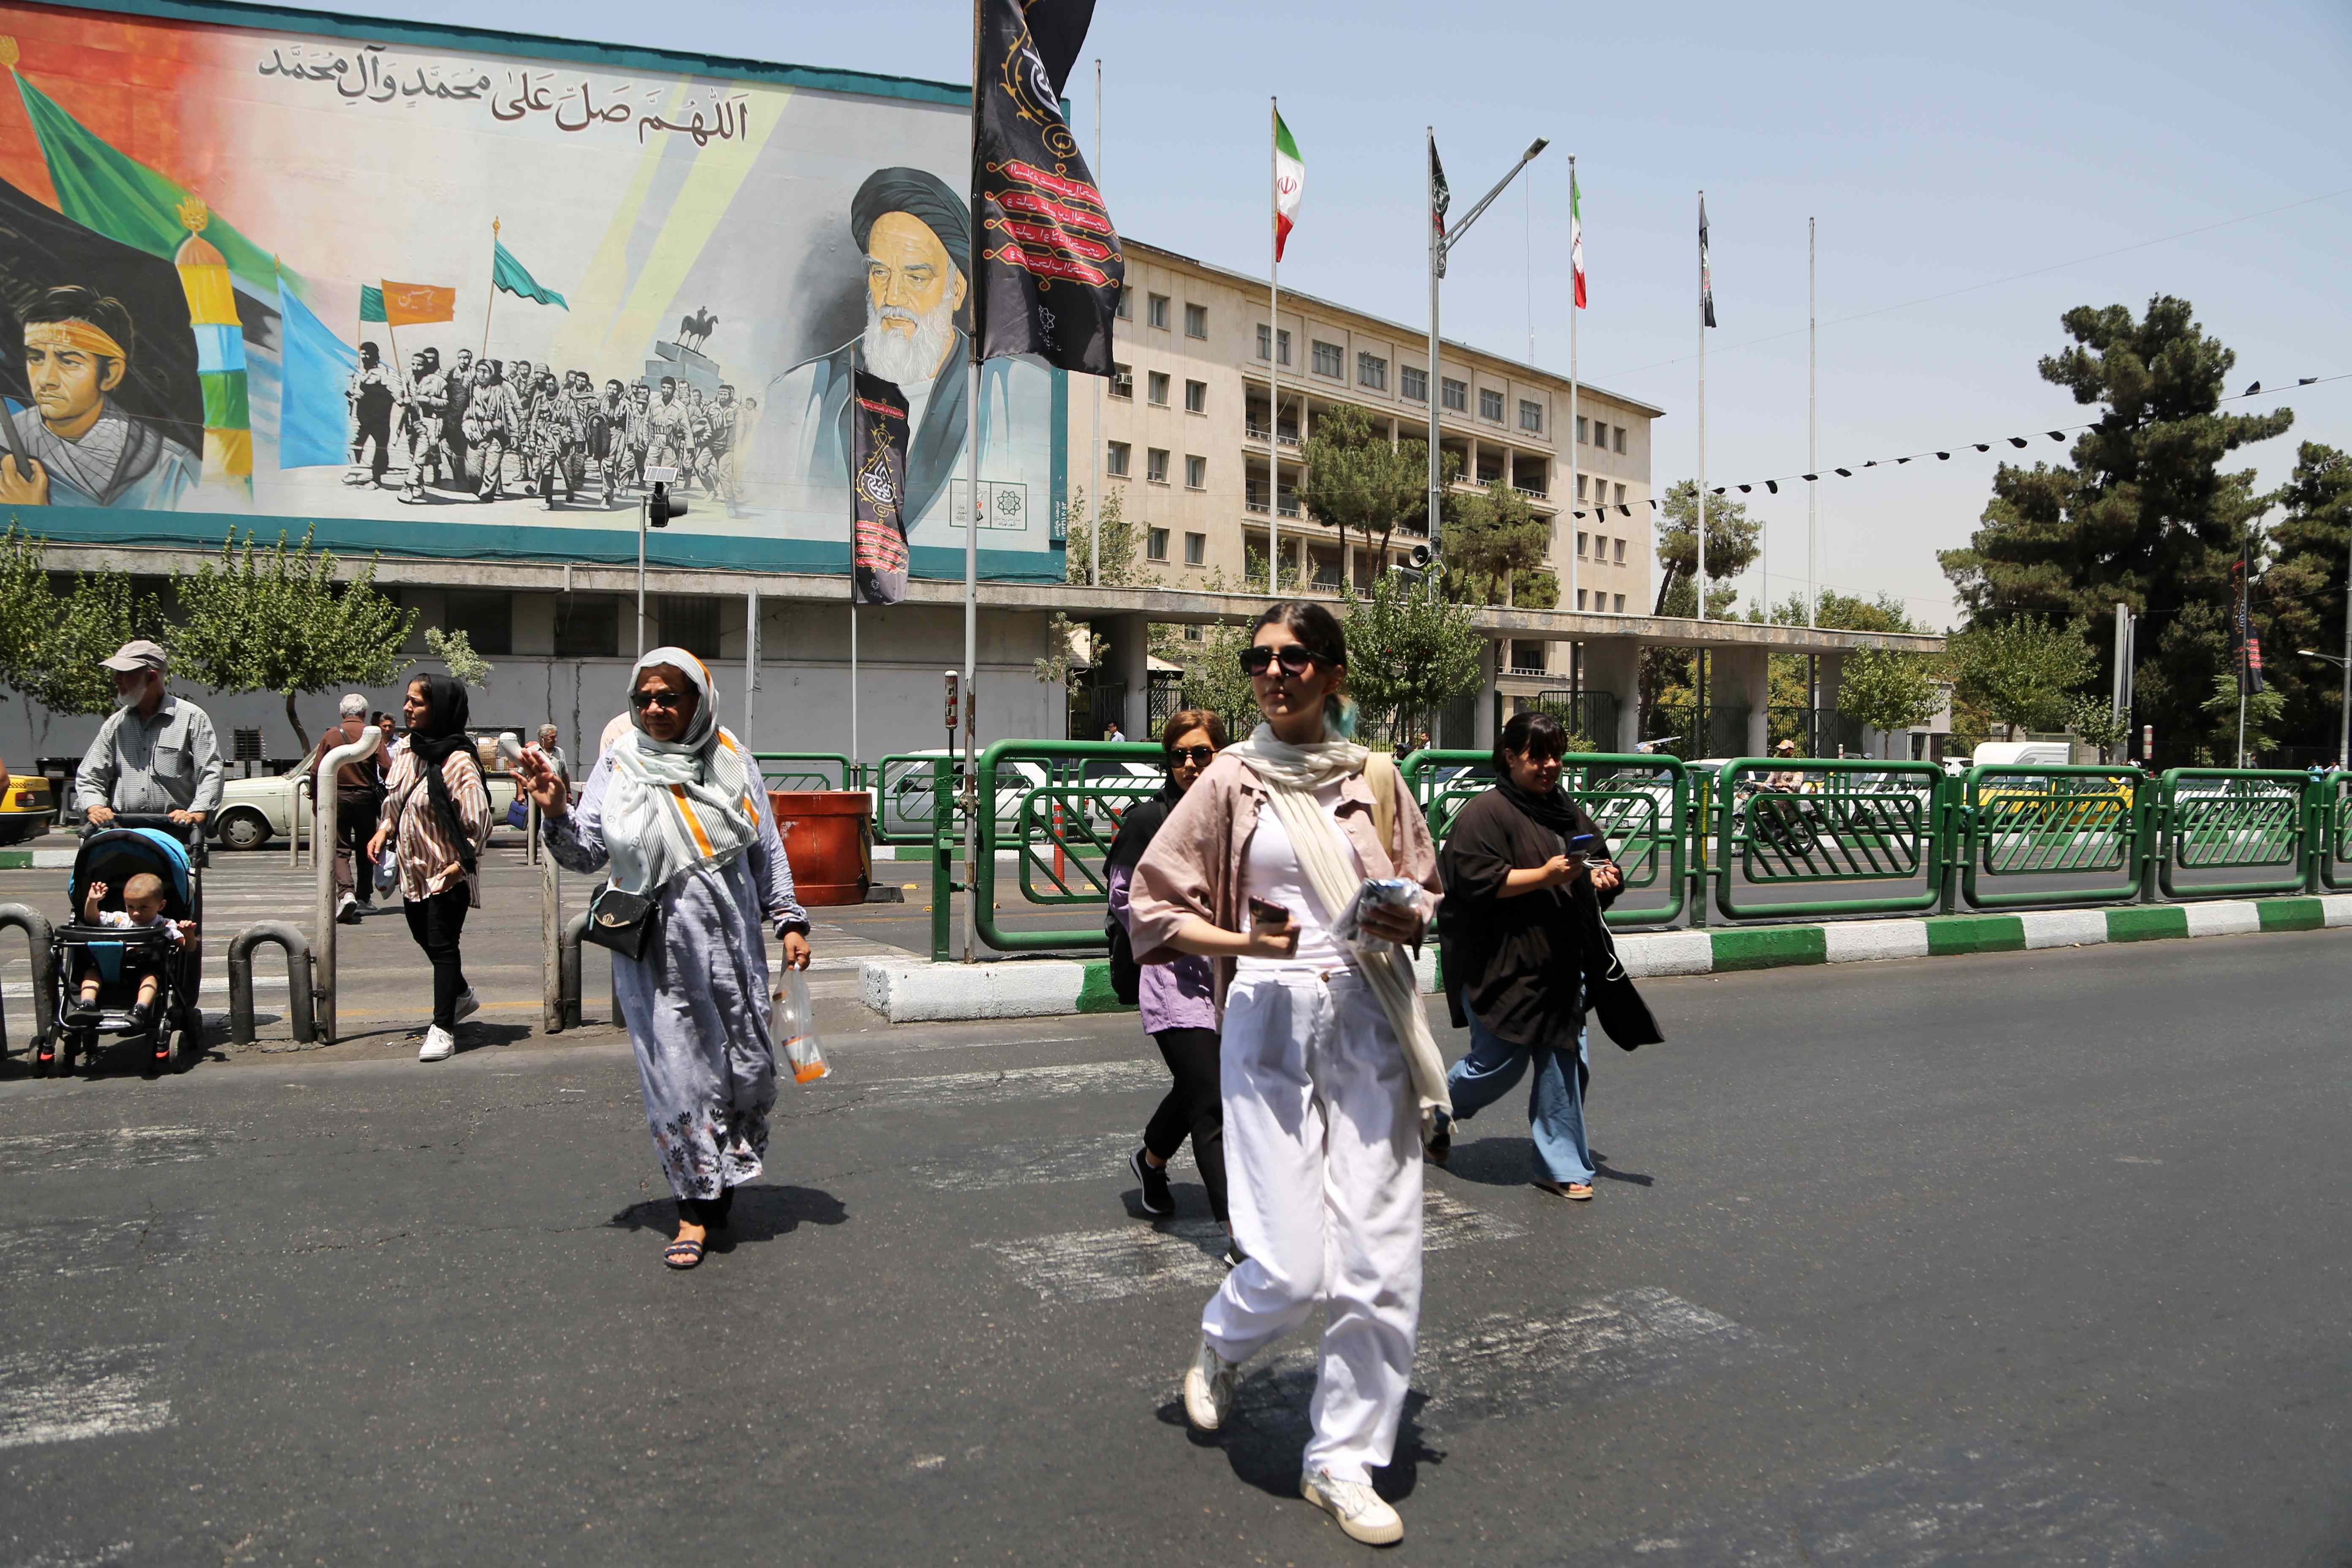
[
  {"x": 1192, "y": 631},
  {"x": 1155, "y": 465},
  {"x": 1159, "y": 311},
  {"x": 1281, "y": 343},
  {"x": 1456, "y": 393},
  {"x": 1196, "y": 549},
  {"x": 1582, "y": 426},
  {"x": 1196, "y": 397},
  {"x": 1580, "y": 598},
  {"x": 1330, "y": 360},
  {"x": 689, "y": 621},
  {"x": 1414, "y": 382},
  {"x": 1122, "y": 381},
  {"x": 1580, "y": 537},
  {"x": 587, "y": 625},
  {"x": 1196, "y": 473},
  {"x": 1620, "y": 438},
  {"x": 1196, "y": 320},
  {"x": 1155, "y": 544},
  {"x": 1371, "y": 371},
  {"x": 1580, "y": 489},
  {"x": 487, "y": 619},
  {"x": 1116, "y": 459},
  {"x": 1155, "y": 388},
  {"x": 1490, "y": 404},
  {"x": 1126, "y": 304},
  {"x": 1530, "y": 415},
  {"x": 1621, "y": 553},
  {"x": 1620, "y": 604},
  {"x": 1620, "y": 495}
]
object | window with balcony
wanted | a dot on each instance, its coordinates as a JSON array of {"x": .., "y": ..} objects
[
  {"x": 1196, "y": 549},
  {"x": 1530, "y": 415},
  {"x": 1155, "y": 388},
  {"x": 1526, "y": 659},
  {"x": 1116, "y": 456},
  {"x": 1196, "y": 397},
  {"x": 1196, "y": 320},
  {"x": 1155, "y": 465},
  {"x": 1281, "y": 343},
  {"x": 1122, "y": 381},
  {"x": 1490, "y": 404},
  {"x": 1330, "y": 360},
  {"x": 1413, "y": 383},
  {"x": 1456, "y": 393},
  {"x": 1371, "y": 371},
  {"x": 1158, "y": 312},
  {"x": 1196, "y": 473},
  {"x": 1155, "y": 544}
]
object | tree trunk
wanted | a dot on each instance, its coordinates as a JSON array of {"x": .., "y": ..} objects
[{"x": 301, "y": 736}]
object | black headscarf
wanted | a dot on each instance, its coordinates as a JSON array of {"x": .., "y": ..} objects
[
  {"x": 1551, "y": 809},
  {"x": 441, "y": 736}
]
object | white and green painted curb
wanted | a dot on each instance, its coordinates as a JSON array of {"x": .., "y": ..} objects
[{"x": 912, "y": 990}]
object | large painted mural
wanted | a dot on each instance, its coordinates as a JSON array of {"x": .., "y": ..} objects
[{"x": 462, "y": 295}]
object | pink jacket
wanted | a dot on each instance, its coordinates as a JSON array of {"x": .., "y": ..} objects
[{"x": 1194, "y": 868}]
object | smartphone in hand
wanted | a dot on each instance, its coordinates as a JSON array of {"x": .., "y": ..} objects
[{"x": 1271, "y": 919}]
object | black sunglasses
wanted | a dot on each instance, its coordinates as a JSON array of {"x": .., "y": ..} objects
[
  {"x": 1296, "y": 659},
  {"x": 1199, "y": 756},
  {"x": 669, "y": 701}
]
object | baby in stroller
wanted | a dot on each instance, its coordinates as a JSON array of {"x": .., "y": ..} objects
[{"x": 142, "y": 909}]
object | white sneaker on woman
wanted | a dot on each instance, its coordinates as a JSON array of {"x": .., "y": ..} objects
[
  {"x": 439, "y": 1046},
  {"x": 1208, "y": 1387},
  {"x": 1362, "y": 1512},
  {"x": 467, "y": 1004}
]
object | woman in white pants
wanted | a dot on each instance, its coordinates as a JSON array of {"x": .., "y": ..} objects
[{"x": 1330, "y": 1076}]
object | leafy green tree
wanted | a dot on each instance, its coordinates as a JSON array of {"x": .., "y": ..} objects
[
  {"x": 51, "y": 643},
  {"x": 455, "y": 650},
  {"x": 2301, "y": 596},
  {"x": 1357, "y": 478},
  {"x": 267, "y": 620},
  {"x": 1122, "y": 542},
  {"x": 2264, "y": 712},
  {"x": 1888, "y": 691},
  {"x": 1212, "y": 678},
  {"x": 2095, "y": 721},
  {"x": 1731, "y": 545},
  {"x": 1493, "y": 542},
  {"x": 2142, "y": 514},
  {"x": 2024, "y": 672},
  {"x": 1409, "y": 655}
]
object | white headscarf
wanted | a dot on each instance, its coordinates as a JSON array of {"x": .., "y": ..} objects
[
  {"x": 1291, "y": 775},
  {"x": 670, "y": 806}
]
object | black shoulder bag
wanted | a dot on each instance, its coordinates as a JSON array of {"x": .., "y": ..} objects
[{"x": 623, "y": 922}]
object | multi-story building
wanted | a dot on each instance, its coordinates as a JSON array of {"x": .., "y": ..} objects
[{"x": 1191, "y": 437}]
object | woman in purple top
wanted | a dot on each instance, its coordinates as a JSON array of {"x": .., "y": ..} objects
[{"x": 1178, "y": 1000}]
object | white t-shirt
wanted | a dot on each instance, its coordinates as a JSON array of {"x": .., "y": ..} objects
[
  {"x": 121, "y": 920},
  {"x": 1270, "y": 870}
]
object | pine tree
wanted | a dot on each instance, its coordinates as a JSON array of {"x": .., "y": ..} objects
[
  {"x": 2142, "y": 514},
  {"x": 2302, "y": 596}
]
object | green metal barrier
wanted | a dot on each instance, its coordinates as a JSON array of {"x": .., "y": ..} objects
[
  {"x": 1883, "y": 823},
  {"x": 1066, "y": 828},
  {"x": 2052, "y": 821},
  {"x": 1012, "y": 774},
  {"x": 1641, "y": 804},
  {"x": 2233, "y": 819},
  {"x": 808, "y": 769},
  {"x": 2331, "y": 826},
  {"x": 903, "y": 804}
]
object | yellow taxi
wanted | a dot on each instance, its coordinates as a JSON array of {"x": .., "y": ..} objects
[{"x": 27, "y": 808}]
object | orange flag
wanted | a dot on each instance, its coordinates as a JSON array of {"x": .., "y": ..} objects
[{"x": 412, "y": 304}]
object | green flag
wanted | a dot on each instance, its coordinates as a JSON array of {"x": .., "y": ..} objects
[
  {"x": 126, "y": 201},
  {"x": 370, "y": 304},
  {"x": 510, "y": 275}
]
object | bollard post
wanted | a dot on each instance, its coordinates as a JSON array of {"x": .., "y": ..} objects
[
  {"x": 942, "y": 862},
  {"x": 567, "y": 972},
  {"x": 38, "y": 934},
  {"x": 322, "y": 832},
  {"x": 299, "y": 1012},
  {"x": 294, "y": 824}
]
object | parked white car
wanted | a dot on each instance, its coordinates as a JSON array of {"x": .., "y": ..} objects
[{"x": 256, "y": 810}]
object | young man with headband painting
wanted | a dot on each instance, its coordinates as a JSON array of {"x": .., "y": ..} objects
[{"x": 80, "y": 447}]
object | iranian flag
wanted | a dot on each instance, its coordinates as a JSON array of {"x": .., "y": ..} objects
[
  {"x": 1576, "y": 239},
  {"x": 1289, "y": 182}
]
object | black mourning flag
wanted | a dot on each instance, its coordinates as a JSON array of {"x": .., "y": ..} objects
[
  {"x": 1440, "y": 196},
  {"x": 1050, "y": 267},
  {"x": 877, "y": 492}
]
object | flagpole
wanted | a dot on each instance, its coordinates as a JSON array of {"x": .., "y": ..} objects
[
  {"x": 1702, "y": 411},
  {"x": 852, "y": 671},
  {"x": 1094, "y": 497},
  {"x": 1812, "y": 436},
  {"x": 972, "y": 540},
  {"x": 1273, "y": 354},
  {"x": 1437, "y": 376},
  {"x": 491, "y": 294},
  {"x": 2245, "y": 633},
  {"x": 1575, "y": 464}
]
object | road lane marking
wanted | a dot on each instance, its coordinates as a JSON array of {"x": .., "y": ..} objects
[
  {"x": 106, "y": 1147},
  {"x": 953, "y": 1090},
  {"x": 1039, "y": 1163},
  {"x": 65, "y": 1396}
]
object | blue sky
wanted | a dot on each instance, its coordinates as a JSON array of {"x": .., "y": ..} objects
[{"x": 1940, "y": 148}]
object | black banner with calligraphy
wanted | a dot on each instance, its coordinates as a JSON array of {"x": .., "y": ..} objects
[
  {"x": 1050, "y": 265},
  {"x": 877, "y": 491}
]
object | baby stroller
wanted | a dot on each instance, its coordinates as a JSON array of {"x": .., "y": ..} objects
[{"x": 174, "y": 853}]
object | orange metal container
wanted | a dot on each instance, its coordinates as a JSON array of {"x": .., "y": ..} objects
[{"x": 826, "y": 842}]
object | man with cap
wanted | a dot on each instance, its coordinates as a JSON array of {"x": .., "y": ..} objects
[
  {"x": 155, "y": 755},
  {"x": 359, "y": 796},
  {"x": 915, "y": 234}
]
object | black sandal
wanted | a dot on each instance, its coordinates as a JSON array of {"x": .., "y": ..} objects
[{"x": 682, "y": 1254}]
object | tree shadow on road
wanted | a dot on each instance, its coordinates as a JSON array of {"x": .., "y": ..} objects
[{"x": 761, "y": 1213}]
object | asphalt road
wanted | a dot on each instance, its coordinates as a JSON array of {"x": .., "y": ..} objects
[{"x": 2022, "y": 1258}]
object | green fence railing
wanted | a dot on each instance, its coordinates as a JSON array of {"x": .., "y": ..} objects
[
  {"x": 1013, "y": 775},
  {"x": 2076, "y": 822},
  {"x": 808, "y": 769},
  {"x": 2232, "y": 819},
  {"x": 1817, "y": 822},
  {"x": 2331, "y": 827}
]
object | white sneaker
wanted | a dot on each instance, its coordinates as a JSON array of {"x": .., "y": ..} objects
[
  {"x": 1208, "y": 1387},
  {"x": 439, "y": 1046},
  {"x": 348, "y": 912},
  {"x": 467, "y": 1004},
  {"x": 1360, "y": 1511}
]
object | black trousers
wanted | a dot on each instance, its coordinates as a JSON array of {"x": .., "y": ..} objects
[
  {"x": 355, "y": 822},
  {"x": 374, "y": 424},
  {"x": 1192, "y": 1107},
  {"x": 437, "y": 923}
]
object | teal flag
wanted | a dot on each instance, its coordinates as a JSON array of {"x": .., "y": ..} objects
[
  {"x": 513, "y": 276},
  {"x": 370, "y": 304}
]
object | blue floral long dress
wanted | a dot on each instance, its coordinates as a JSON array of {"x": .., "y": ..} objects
[{"x": 696, "y": 1004}]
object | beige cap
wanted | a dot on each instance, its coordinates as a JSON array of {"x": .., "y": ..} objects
[{"x": 137, "y": 655}]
